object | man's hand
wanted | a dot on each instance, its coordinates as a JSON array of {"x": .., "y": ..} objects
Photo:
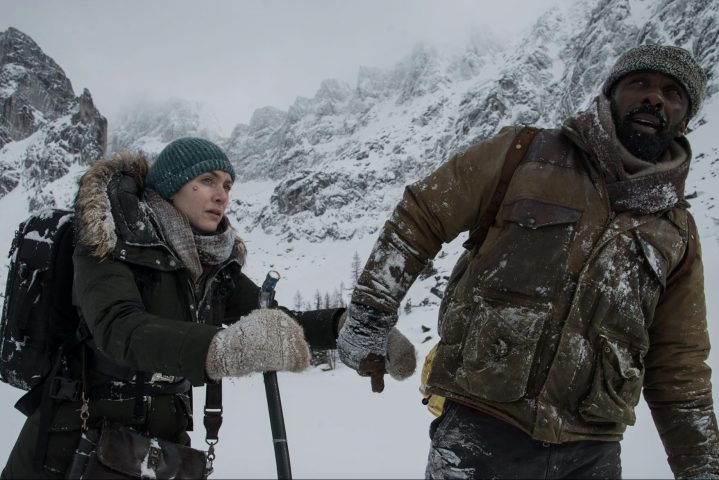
[{"x": 369, "y": 343}]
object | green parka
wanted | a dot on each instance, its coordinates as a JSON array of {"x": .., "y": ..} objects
[
  {"x": 144, "y": 313},
  {"x": 563, "y": 315}
]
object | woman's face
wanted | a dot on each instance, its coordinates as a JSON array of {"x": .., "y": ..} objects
[{"x": 203, "y": 199}]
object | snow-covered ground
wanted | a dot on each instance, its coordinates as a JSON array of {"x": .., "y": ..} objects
[{"x": 338, "y": 428}]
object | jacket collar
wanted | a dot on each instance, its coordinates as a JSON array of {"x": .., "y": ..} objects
[{"x": 646, "y": 191}]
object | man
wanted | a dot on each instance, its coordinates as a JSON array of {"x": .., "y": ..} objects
[{"x": 587, "y": 289}]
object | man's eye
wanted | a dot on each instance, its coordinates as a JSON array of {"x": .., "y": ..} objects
[
  {"x": 228, "y": 187},
  {"x": 674, "y": 93},
  {"x": 207, "y": 180}
]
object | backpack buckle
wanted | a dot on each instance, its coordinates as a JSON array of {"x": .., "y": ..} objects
[{"x": 65, "y": 389}]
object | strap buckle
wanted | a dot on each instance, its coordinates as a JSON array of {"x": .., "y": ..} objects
[{"x": 62, "y": 388}]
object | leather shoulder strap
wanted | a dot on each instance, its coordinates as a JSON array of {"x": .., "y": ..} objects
[{"x": 514, "y": 157}]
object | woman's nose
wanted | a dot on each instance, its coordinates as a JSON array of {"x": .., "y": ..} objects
[{"x": 221, "y": 195}]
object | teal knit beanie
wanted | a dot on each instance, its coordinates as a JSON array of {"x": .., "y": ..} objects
[{"x": 182, "y": 160}]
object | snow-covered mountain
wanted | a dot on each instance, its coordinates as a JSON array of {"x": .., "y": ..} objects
[
  {"x": 149, "y": 125},
  {"x": 318, "y": 178},
  {"x": 45, "y": 130},
  {"x": 338, "y": 161}
]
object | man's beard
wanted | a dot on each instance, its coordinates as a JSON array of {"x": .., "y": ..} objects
[{"x": 647, "y": 146}]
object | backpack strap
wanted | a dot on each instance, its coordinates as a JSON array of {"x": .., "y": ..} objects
[
  {"x": 212, "y": 418},
  {"x": 47, "y": 395},
  {"x": 514, "y": 157},
  {"x": 685, "y": 264}
]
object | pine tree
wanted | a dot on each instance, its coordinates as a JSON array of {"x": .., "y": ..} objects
[
  {"x": 356, "y": 268},
  {"x": 337, "y": 301},
  {"x": 298, "y": 300},
  {"x": 342, "y": 295},
  {"x": 408, "y": 307}
]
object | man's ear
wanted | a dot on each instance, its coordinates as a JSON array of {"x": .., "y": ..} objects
[{"x": 682, "y": 127}]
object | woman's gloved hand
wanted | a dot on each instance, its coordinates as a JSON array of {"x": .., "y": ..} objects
[{"x": 264, "y": 340}]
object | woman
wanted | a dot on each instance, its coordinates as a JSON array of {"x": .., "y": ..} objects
[{"x": 158, "y": 271}]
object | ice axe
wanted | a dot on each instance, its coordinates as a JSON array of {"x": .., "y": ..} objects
[{"x": 272, "y": 390}]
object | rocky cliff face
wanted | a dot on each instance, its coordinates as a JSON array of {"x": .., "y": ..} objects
[
  {"x": 339, "y": 160},
  {"x": 44, "y": 128}
]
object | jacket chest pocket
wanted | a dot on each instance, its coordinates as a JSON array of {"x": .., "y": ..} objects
[
  {"x": 630, "y": 276},
  {"x": 529, "y": 257},
  {"x": 624, "y": 285},
  {"x": 499, "y": 350},
  {"x": 147, "y": 281},
  {"x": 616, "y": 384}
]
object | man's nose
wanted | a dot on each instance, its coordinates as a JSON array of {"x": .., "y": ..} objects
[{"x": 653, "y": 95}]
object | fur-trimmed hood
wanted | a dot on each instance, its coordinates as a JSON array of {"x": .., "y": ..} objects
[{"x": 110, "y": 203}]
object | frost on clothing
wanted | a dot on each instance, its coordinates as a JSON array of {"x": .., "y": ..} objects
[
  {"x": 467, "y": 443},
  {"x": 400, "y": 267},
  {"x": 563, "y": 315},
  {"x": 263, "y": 341},
  {"x": 365, "y": 331}
]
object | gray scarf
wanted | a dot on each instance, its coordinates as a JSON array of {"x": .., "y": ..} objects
[
  {"x": 632, "y": 183},
  {"x": 194, "y": 250}
]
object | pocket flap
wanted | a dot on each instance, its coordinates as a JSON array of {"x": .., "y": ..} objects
[
  {"x": 139, "y": 456},
  {"x": 532, "y": 213},
  {"x": 656, "y": 260}
]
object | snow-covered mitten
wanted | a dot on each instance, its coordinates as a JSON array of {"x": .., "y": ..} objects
[
  {"x": 264, "y": 340},
  {"x": 401, "y": 360}
]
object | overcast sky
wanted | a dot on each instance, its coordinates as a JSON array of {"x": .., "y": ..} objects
[{"x": 236, "y": 56}]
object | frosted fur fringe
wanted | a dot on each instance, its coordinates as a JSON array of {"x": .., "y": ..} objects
[{"x": 96, "y": 226}]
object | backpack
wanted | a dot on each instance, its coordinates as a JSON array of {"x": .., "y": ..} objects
[
  {"x": 40, "y": 328},
  {"x": 38, "y": 317}
]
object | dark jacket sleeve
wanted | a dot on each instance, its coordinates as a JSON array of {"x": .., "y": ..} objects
[
  {"x": 111, "y": 305},
  {"x": 244, "y": 298},
  {"x": 320, "y": 326}
]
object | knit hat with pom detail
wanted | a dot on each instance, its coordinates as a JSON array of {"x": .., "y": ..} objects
[
  {"x": 182, "y": 160},
  {"x": 673, "y": 61}
]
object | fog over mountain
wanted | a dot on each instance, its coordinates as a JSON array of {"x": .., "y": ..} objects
[{"x": 317, "y": 178}]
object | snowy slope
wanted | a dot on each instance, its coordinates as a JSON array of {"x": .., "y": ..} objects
[{"x": 319, "y": 178}]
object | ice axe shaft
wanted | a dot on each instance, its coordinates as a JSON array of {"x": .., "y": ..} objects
[{"x": 272, "y": 391}]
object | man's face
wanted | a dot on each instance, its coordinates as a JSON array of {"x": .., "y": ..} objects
[{"x": 649, "y": 110}]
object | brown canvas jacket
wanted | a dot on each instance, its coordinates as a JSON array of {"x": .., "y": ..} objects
[{"x": 563, "y": 315}]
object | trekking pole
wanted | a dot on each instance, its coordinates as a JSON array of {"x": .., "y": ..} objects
[{"x": 272, "y": 390}]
